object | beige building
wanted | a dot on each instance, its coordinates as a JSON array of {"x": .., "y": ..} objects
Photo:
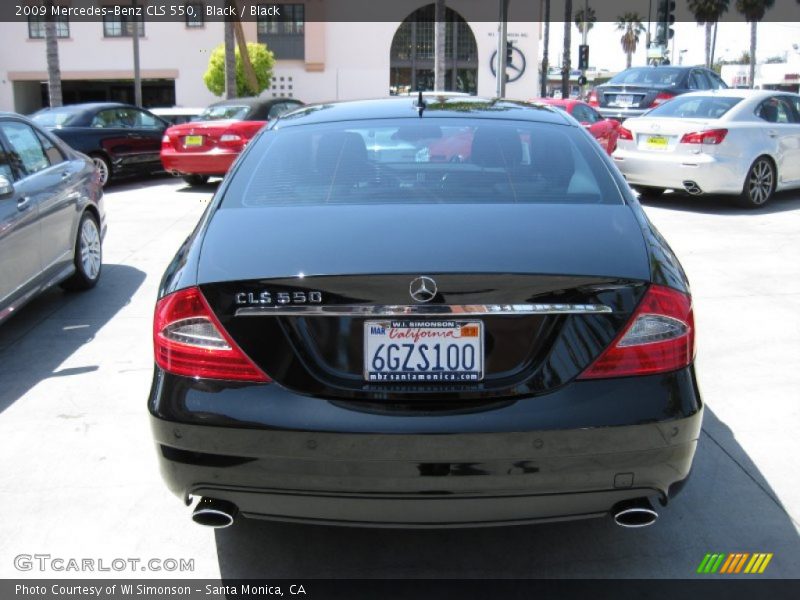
[{"x": 317, "y": 58}]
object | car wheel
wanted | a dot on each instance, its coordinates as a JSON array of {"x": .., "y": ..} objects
[
  {"x": 759, "y": 185},
  {"x": 650, "y": 192},
  {"x": 195, "y": 179},
  {"x": 88, "y": 255},
  {"x": 103, "y": 168}
]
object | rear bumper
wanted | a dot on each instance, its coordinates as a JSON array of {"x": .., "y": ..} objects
[
  {"x": 215, "y": 162},
  {"x": 712, "y": 174},
  {"x": 482, "y": 468}
]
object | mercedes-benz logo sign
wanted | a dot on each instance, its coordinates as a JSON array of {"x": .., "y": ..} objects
[{"x": 422, "y": 289}]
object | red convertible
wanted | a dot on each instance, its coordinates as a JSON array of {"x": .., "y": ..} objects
[
  {"x": 208, "y": 145},
  {"x": 605, "y": 130}
]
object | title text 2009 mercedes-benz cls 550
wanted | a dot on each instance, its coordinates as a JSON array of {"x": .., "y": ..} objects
[{"x": 365, "y": 331}]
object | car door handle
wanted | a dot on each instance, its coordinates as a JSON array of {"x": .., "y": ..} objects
[
  {"x": 65, "y": 174},
  {"x": 23, "y": 202},
  {"x": 772, "y": 133}
]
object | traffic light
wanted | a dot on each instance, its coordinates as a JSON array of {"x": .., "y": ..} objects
[
  {"x": 583, "y": 57},
  {"x": 665, "y": 16},
  {"x": 509, "y": 52}
]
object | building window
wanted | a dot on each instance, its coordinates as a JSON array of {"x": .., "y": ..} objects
[
  {"x": 121, "y": 25},
  {"x": 195, "y": 14},
  {"x": 284, "y": 33},
  {"x": 36, "y": 27}
]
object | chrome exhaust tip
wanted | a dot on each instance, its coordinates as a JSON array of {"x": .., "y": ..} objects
[
  {"x": 211, "y": 512},
  {"x": 633, "y": 514},
  {"x": 692, "y": 188}
]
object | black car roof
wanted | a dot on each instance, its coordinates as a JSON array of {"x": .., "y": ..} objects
[
  {"x": 87, "y": 106},
  {"x": 406, "y": 106}
]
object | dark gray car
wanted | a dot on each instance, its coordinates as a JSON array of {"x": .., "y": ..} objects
[
  {"x": 638, "y": 89},
  {"x": 52, "y": 221}
]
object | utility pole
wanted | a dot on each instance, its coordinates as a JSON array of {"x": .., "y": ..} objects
[
  {"x": 502, "y": 34},
  {"x": 137, "y": 75}
]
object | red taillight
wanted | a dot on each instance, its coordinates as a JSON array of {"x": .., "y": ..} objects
[
  {"x": 592, "y": 100},
  {"x": 662, "y": 97},
  {"x": 624, "y": 133},
  {"x": 189, "y": 340},
  {"x": 659, "y": 337},
  {"x": 712, "y": 136}
]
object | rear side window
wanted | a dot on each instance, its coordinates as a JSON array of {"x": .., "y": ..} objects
[
  {"x": 54, "y": 118},
  {"x": 695, "y": 107},
  {"x": 422, "y": 161},
  {"x": 26, "y": 149}
]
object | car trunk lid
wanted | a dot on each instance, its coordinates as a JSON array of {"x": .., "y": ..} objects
[{"x": 299, "y": 289}]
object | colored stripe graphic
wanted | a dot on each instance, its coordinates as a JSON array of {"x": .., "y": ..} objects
[{"x": 733, "y": 563}]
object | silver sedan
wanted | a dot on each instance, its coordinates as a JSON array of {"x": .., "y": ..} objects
[
  {"x": 52, "y": 221},
  {"x": 739, "y": 142}
]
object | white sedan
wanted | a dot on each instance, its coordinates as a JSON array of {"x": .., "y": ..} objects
[{"x": 739, "y": 142}]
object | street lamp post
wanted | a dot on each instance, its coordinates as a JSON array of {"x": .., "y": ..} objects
[{"x": 137, "y": 76}]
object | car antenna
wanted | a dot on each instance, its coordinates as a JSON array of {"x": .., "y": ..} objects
[{"x": 420, "y": 105}]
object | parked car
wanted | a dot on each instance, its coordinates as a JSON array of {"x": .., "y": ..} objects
[
  {"x": 177, "y": 115},
  {"x": 634, "y": 91},
  {"x": 121, "y": 139},
  {"x": 739, "y": 142},
  {"x": 208, "y": 146},
  {"x": 52, "y": 221},
  {"x": 605, "y": 130},
  {"x": 410, "y": 342}
]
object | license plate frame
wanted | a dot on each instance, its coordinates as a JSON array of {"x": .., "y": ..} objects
[
  {"x": 624, "y": 100},
  {"x": 657, "y": 142},
  {"x": 192, "y": 141},
  {"x": 418, "y": 333}
]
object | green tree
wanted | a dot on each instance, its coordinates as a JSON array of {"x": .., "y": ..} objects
[
  {"x": 708, "y": 12},
  {"x": 262, "y": 59},
  {"x": 753, "y": 11},
  {"x": 630, "y": 24}
]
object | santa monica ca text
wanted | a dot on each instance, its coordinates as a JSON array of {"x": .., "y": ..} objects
[{"x": 141, "y": 589}]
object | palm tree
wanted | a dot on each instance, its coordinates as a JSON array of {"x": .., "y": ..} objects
[
  {"x": 546, "y": 49},
  {"x": 753, "y": 11},
  {"x": 708, "y": 12},
  {"x": 630, "y": 24},
  {"x": 591, "y": 19},
  {"x": 53, "y": 63},
  {"x": 567, "y": 66},
  {"x": 439, "y": 35},
  {"x": 230, "y": 59}
]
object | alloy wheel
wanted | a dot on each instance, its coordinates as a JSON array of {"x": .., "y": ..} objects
[
  {"x": 102, "y": 169},
  {"x": 90, "y": 252},
  {"x": 760, "y": 182}
]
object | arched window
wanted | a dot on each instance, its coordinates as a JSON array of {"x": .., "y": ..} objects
[{"x": 412, "y": 53}]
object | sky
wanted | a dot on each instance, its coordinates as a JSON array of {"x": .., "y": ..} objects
[{"x": 605, "y": 50}]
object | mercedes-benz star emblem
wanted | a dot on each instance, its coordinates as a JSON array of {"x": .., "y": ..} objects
[{"x": 422, "y": 289}]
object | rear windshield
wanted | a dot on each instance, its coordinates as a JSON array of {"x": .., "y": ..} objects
[
  {"x": 695, "y": 107},
  {"x": 54, "y": 118},
  {"x": 648, "y": 76},
  {"x": 218, "y": 113},
  {"x": 425, "y": 160}
]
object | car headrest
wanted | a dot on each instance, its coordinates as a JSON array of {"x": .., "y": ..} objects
[
  {"x": 552, "y": 158},
  {"x": 769, "y": 112},
  {"x": 342, "y": 154},
  {"x": 496, "y": 146}
]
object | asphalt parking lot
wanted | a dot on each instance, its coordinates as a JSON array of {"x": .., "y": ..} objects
[{"x": 80, "y": 477}]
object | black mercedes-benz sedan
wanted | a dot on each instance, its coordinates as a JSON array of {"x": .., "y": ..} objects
[{"x": 411, "y": 314}]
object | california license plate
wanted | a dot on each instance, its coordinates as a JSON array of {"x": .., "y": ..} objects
[
  {"x": 193, "y": 140},
  {"x": 657, "y": 142},
  {"x": 624, "y": 100},
  {"x": 423, "y": 351}
]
